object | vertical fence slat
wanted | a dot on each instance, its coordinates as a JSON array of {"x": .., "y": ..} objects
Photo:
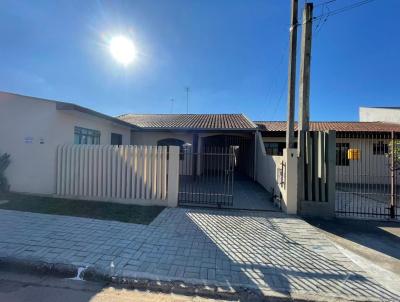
[
  {"x": 158, "y": 173},
  {"x": 134, "y": 172},
  {"x": 114, "y": 165},
  {"x": 90, "y": 170},
  {"x": 154, "y": 173},
  {"x": 119, "y": 171},
  {"x": 95, "y": 150},
  {"x": 148, "y": 172},
  {"x": 128, "y": 172},
  {"x": 86, "y": 171},
  {"x": 144, "y": 172},
  {"x": 99, "y": 170},
  {"x": 164, "y": 173},
  {"x": 140, "y": 165},
  {"x": 59, "y": 155},
  {"x": 63, "y": 168}
]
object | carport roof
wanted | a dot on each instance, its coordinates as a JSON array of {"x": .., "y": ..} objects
[
  {"x": 190, "y": 121},
  {"x": 280, "y": 126}
]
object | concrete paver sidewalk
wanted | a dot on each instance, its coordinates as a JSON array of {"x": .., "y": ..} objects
[{"x": 268, "y": 252}]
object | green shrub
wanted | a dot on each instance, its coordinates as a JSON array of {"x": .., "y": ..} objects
[{"x": 4, "y": 162}]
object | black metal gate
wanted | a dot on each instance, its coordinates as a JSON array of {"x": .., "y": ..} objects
[
  {"x": 367, "y": 175},
  {"x": 206, "y": 178}
]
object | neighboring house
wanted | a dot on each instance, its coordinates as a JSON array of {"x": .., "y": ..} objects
[
  {"x": 380, "y": 114},
  {"x": 31, "y": 128},
  {"x": 362, "y": 148},
  {"x": 201, "y": 133}
]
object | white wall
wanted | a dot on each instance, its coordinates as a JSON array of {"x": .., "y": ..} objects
[
  {"x": 370, "y": 168},
  {"x": 267, "y": 167},
  {"x": 390, "y": 115},
  {"x": 25, "y": 122}
]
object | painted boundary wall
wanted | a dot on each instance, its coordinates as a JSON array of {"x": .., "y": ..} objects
[
  {"x": 268, "y": 168},
  {"x": 146, "y": 175}
]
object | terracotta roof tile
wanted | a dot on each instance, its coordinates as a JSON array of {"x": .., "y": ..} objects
[
  {"x": 337, "y": 126},
  {"x": 190, "y": 121}
]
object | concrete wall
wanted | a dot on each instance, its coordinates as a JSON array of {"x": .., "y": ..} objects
[
  {"x": 31, "y": 129},
  {"x": 390, "y": 115},
  {"x": 267, "y": 168}
]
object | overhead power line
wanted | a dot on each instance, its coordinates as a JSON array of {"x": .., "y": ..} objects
[
  {"x": 343, "y": 9},
  {"x": 339, "y": 10}
]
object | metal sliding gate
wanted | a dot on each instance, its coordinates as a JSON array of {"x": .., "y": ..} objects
[
  {"x": 368, "y": 175},
  {"x": 206, "y": 178}
]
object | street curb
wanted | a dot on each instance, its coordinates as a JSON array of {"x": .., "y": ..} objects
[
  {"x": 38, "y": 267},
  {"x": 153, "y": 283},
  {"x": 63, "y": 270}
]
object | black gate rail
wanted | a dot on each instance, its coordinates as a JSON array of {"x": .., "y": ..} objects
[
  {"x": 367, "y": 175},
  {"x": 206, "y": 178}
]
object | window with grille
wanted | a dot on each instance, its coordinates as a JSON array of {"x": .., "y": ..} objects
[
  {"x": 341, "y": 154},
  {"x": 380, "y": 148},
  {"x": 274, "y": 148},
  {"x": 84, "y": 136}
]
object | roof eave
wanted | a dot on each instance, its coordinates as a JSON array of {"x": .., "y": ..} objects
[{"x": 73, "y": 107}]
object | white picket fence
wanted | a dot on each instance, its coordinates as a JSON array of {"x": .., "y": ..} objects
[{"x": 114, "y": 172}]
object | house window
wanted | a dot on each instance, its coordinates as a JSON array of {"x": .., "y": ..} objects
[
  {"x": 380, "y": 148},
  {"x": 274, "y": 148},
  {"x": 341, "y": 154},
  {"x": 84, "y": 136},
  {"x": 116, "y": 139},
  {"x": 173, "y": 142}
]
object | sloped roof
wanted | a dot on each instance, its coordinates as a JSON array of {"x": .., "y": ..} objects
[
  {"x": 190, "y": 121},
  {"x": 337, "y": 126}
]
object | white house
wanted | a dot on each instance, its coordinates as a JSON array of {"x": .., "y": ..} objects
[
  {"x": 31, "y": 128},
  {"x": 380, "y": 114}
]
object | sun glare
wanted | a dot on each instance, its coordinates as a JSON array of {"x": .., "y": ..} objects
[{"x": 122, "y": 49}]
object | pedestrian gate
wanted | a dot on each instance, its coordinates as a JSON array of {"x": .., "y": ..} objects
[
  {"x": 367, "y": 175},
  {"x": 206, "y": 178}
]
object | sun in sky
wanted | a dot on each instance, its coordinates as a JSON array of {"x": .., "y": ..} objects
[{"x": 122, "y": 49}]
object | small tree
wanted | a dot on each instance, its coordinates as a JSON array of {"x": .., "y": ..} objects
[
  {"x": 4, "y": 163},
  {"x": 394, "y": 150}
]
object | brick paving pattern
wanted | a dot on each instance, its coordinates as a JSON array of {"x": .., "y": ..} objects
[{"x": 259, "y": 250}]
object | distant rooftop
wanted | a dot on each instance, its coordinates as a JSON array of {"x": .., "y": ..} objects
[
  {"x": 189, "y": 121},
  {"x": 280, "y": 126}
]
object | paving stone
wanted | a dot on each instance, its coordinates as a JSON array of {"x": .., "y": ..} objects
[{"x": 257, "y": 249}]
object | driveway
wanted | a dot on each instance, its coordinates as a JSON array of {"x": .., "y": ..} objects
[{"x": 267, "y": 252}]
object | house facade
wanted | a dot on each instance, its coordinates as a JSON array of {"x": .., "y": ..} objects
[
  {"x": 369, "y": 142},
  {"x": 32, "y": 128},
  {"x": 198, "y": 134}
]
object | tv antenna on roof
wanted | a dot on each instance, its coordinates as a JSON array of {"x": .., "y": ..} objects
[
  {"x": 187, "y": 99},
  {"x": 172, "y": 105}
]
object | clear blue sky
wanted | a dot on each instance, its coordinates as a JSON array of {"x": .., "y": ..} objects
[{"x": 233, "y": 54}]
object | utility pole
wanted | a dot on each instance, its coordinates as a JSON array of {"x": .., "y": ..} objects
[
  {"x": 304, "y": 96},
  {"x": 187, "y": 99},
  {"x": 304, "y": 89},
  {"x": 292, "y": 76},
  {"x": 172, "y": 105}
]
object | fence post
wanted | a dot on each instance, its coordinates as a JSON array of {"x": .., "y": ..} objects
[
  {"x": 173, "y": 176},
  {"x": 291, "y": 199},
  {"x": 331, "y": 171}
]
